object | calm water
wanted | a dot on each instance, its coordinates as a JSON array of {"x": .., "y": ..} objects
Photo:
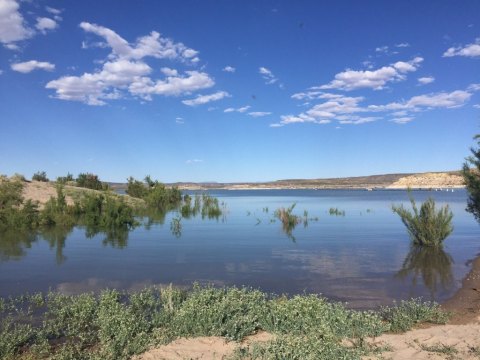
[{"x": 363, "y": 258}]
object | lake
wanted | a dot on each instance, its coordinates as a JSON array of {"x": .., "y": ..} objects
[{"x": 362, "y": 257}]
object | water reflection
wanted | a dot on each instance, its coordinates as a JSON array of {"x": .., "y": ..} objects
[
  {"x": 56, "y": 237},
  {"x": 14, "y": 242},
  {"x": 430, "y": 264},
  {"x": 116, "y": 237}
]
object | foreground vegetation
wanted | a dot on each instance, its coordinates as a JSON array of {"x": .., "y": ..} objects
[{"x": 116, "y": 325}]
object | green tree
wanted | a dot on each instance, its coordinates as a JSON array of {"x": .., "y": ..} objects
[{"x": 471, "y": 176}]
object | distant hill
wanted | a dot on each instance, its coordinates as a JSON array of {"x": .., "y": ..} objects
[{"x": 450, "y": 179}]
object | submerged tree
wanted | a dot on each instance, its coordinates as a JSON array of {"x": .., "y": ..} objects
[{"x": 471, "y": 176}]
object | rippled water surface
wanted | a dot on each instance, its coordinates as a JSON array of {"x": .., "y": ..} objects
[{"x": 362, "y": 257}]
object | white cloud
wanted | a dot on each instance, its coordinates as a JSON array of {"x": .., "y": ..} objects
[
  {"x": 169, "y": 72},
  {"x": 194, "y": 161},
  {"x": 53, "y": 11},
  {"x": 476, "y": 106},
  {"x": 259, "y": 113},
  {"x": 348, "y": 110},
  {"x": 152, "y": 45},
  {"x": 382, "y": 49},
  {"x": 402, "y": 45},
  {"x": 179, "y": 120},
  {"x": 229, "y": 69},
  {"x": 402, "y": 120},
  {"x": 376, "y": 79},
  {"x": 44, "y": 24},
  {"x": 358, "y": 120},
  {"x": 126, "y": 72},
  {"x": 240, "y": 109},
  {"x": 204, "y": 99},
  {"x": 469, "y": 50},
  {"x": 473, "y": 87},
  {"x": 29, "y": 66},
  {"x": 426, "y": 80},
  {"x": 446, "y": 100},
  {"x": 12, "y": 24},
  {"x": 267, "y": 75}
]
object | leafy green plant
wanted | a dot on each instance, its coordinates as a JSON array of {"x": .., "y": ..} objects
[
  {"x": 471, "y": 176},
  {"x": 404, "y": 316},
  {"x": 426, "y": 226}
]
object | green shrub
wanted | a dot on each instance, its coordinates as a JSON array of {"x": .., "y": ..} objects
[
  {"x": 426, "y": 227},
  {"x": 136, "y": 188},
  {"x": 404, "y": 316},
  {"x": 90, "y": 181},
  {"x": 40, "y": 176},
  {"x": 471, "y": 176},
  {"x": 14, "y": 211},
  {"x": 230, "y": 312},
  {"x": 65, "y": 179}
]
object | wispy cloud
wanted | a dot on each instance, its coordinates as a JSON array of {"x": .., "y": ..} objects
[
  {"x": 426, "y": 80},
  {"x": 240, "y": 110},
  {"x": 267, "y": 75},
  {"x": 229, "y": 69},
  {"x": 179, "y": 120},
  {"x": 204, "y": 99},
  {"x": 377, "y": 79},
  {"x": 194, "y": 161},
  {"x": 29, "y": 66},
  {"x": 259, "y": 113},
  {"x": 469, "y": 50}
]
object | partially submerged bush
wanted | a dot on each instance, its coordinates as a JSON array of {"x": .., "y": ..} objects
[
  {"x": 289, "y": 220},
  {"x": 426, "y": 227}
]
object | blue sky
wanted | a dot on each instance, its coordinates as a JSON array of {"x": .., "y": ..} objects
[{"x": 237, "y": 90}]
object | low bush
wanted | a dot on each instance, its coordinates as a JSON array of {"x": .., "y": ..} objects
[
  {"x": 40, "y": 176},
  {"x": 90, "y": 181},
  {"x": 404, "y": 316}
]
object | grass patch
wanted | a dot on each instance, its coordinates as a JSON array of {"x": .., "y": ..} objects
[{"x": 116, "y": 325}]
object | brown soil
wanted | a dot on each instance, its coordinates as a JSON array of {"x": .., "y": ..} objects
[{"x": 41, "y": 192}]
